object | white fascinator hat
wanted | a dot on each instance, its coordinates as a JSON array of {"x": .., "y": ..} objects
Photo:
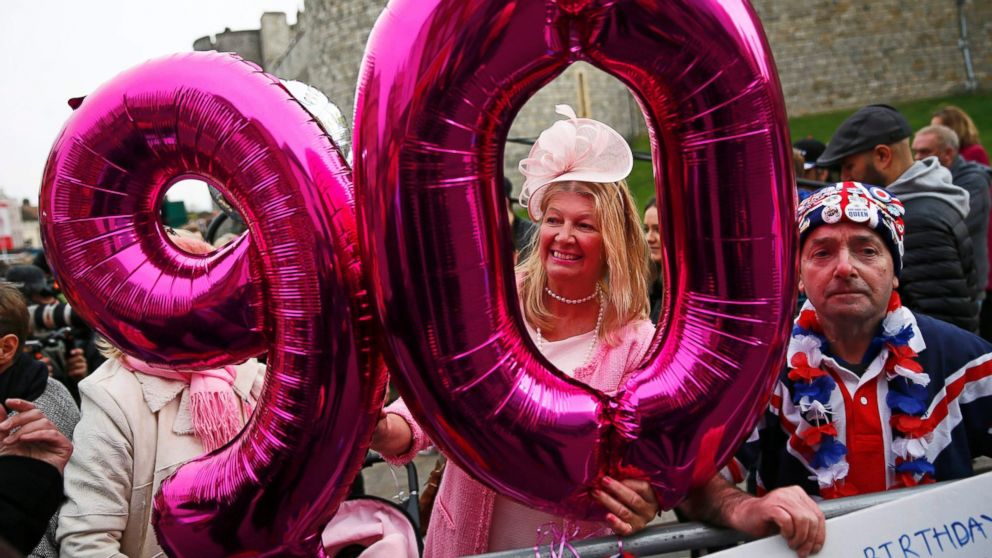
[{"x": 576, "y": 149}]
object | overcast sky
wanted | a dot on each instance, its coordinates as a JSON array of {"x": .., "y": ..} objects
[{"x": 52, "y": 50}]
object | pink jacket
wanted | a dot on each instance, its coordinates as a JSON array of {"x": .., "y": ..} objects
[{"x": 463, "y": 509}]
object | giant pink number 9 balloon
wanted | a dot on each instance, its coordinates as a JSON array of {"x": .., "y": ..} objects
[
  {"x": 441, "y": 83},
  {"x": 292, "y": 285}
]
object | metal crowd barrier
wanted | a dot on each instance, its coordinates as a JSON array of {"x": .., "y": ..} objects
[{"x": 677, "y": 537}]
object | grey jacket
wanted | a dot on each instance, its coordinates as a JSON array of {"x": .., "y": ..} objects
[
  {"x": 60, "y": 408},
  {"x": 976, "y": 179},
  {"x": 939, "y": 277}
]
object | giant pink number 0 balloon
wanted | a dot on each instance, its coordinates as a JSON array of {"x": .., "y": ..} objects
[
  {"x": 293, "y": 285},
  {"x": 441, "y": 83}
]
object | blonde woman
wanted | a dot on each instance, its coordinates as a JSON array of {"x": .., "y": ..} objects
[
  {"x": 139, "y": 423},
  {"x": 583, "y": 292}
]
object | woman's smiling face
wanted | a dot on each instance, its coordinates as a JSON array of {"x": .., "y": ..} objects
[{"x": 571, "y": 243}]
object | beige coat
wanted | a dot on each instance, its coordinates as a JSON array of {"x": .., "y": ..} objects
[{"x": 134, "y": 432}]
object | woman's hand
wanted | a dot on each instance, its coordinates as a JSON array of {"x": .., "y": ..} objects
[
  {"x": 392, "y": 435},
  {"x": 631, "y": 503}
]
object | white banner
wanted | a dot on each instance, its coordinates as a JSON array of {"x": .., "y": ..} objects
[{"x": 953, "y": 521}]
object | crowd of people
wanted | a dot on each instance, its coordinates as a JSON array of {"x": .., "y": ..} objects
[{"x": 886, "y": 383}]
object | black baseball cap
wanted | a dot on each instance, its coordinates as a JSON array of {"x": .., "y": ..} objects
[
  {"x": 811, "y": 150},
  {"x": 869, "y": 126}
]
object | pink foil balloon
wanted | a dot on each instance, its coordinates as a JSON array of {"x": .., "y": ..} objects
[
  {"x": 441, "y": 83},
  {"x": 292, "y": 285}
]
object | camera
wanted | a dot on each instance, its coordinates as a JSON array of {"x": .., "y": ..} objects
[
  {"x": 60, "y": 341},
  {"x": 53, "y": 316},
  {"x": 57, "y": 329},
  {"x": 54, "y": 348}
]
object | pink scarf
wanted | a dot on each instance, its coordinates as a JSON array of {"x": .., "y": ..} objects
[{"x": 213, "y": 404}]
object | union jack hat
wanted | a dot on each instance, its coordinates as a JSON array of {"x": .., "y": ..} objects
[{"x": 858, "y": 203}]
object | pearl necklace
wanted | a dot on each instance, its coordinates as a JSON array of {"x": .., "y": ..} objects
[
  {"x": 595, "y": 333},
  {"x": 560, "y": 298}
]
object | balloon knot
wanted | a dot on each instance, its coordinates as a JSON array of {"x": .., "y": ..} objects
[
  {"x": 621, "y": 411},
  {"x": 573, "y": 7}
]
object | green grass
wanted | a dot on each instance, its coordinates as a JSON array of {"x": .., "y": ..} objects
[
  {"x": 822, "y": 126},
  {"x": 641, "y": 179}
]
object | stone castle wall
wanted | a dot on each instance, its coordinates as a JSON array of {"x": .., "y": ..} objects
[
  {"x": 830, "y": 54},
  {"x": 841, "y": 54},
  {"x": 247, "y": 43}
]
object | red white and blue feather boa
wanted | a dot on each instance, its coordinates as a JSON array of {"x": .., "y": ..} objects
[{"x": 811, "y": 389}]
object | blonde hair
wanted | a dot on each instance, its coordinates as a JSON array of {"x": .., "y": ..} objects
[
  {"x": 962, "y": 124},
  {"x": 108, "y": 351},
  {"x": 624, "y": 277}
]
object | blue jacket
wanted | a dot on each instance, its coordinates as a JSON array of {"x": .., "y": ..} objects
[{"x": 959, "y": 409}]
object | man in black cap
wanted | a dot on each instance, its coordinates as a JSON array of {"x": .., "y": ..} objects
[{"x": 939, "y": 276}]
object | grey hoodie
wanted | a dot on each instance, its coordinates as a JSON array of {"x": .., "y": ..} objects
[
  {"x": 939, "y": 276},
  {"x": 927, "y": 178}
]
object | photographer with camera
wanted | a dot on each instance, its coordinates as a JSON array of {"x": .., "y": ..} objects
[
  {"x": 25, "y": 379},
  {"x": 58, "y": 337}
]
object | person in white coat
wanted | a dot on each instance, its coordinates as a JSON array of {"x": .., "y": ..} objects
[{"x": 139, "y": 423}]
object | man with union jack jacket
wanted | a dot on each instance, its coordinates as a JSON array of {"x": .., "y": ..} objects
[{"x": 873, "y": 396}]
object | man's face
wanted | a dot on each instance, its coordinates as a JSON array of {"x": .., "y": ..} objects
[
  {"x": 847, "y": 272},
  {"x": 927, "y": 145},
  {"x": 860, "y": 167}
]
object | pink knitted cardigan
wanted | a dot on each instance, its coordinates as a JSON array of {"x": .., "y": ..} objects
[{"x": 463, "y": 509}]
